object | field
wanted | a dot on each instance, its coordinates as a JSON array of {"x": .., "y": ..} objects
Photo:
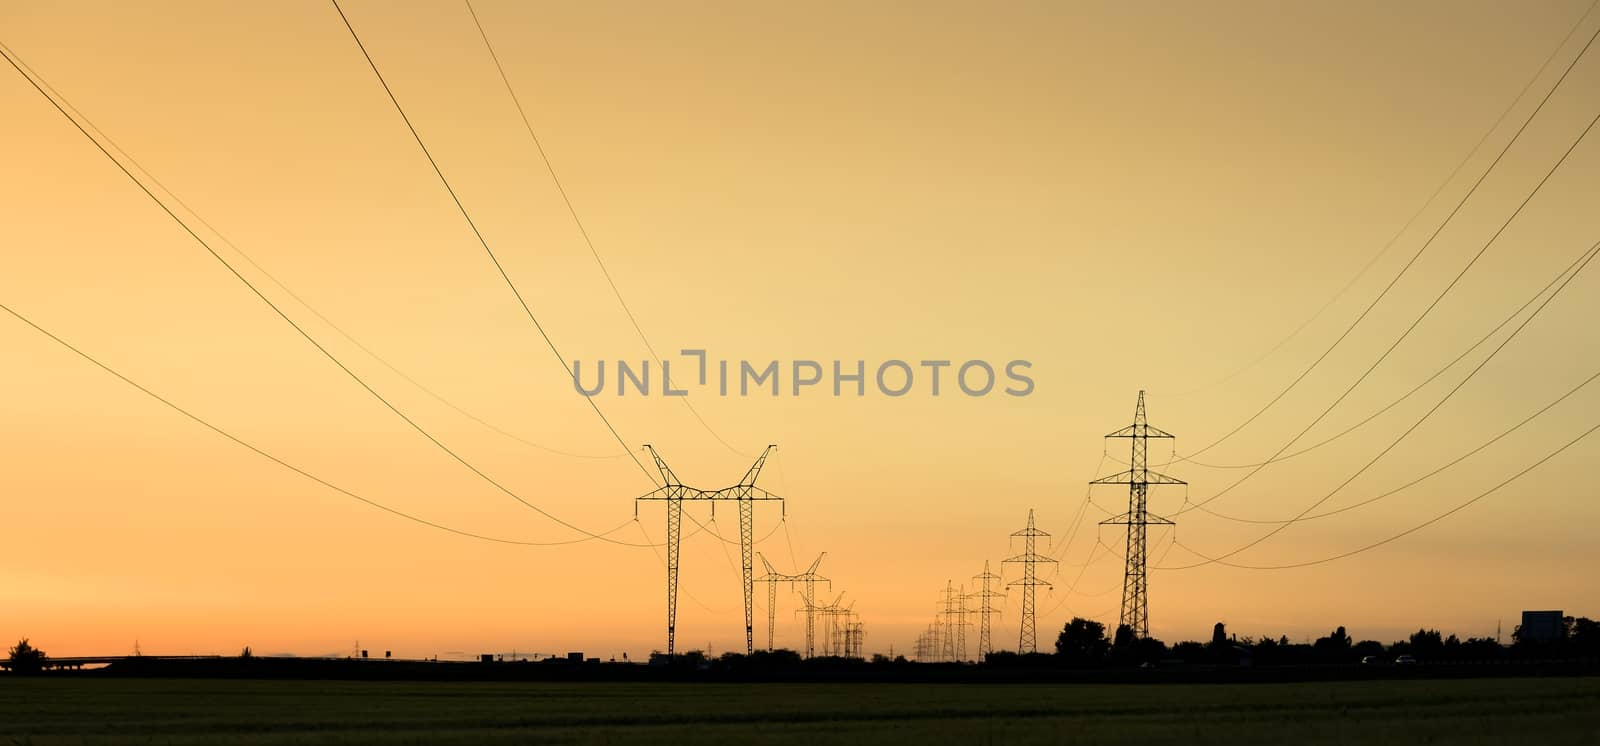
[{"x": 85, "y": 710}]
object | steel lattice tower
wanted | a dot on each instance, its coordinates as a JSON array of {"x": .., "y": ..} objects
[
  {"x": 1138, "y": 477},
  {"x": 772, "y": 578},
  {"x": 1027, "y": 639},
  {"x": 986, "y": 610},
  {"x": 674, "y": 493},
  {"x": 951, "y": 633}
]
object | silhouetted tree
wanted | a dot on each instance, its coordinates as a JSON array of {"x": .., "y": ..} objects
[
  {"x": 1586, "y": 637},
  {"x": 1082, "y": 641},
  {"x": 1191, "y": 651},
  {"x": 25, "y": 658},
  {"x": 247, "y": 653},
  {"x": 1334, "y": 647},
  {"x": 1427, "y": 644},
  {"x": 1365, "y": 648}
]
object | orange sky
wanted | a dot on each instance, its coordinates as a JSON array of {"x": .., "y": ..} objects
[{"x": 1127, "y": 195}]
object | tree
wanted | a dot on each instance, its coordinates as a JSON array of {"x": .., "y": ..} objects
[
  {"x": 1082, "y": 641},
  {"x": 25, "y": 658},
  {"x": 1586, "y": 636},
  {"x": 1367, "y": 647},
  {"x": 1336, "y": 646},
  {"x": 1427, "y": 644}
]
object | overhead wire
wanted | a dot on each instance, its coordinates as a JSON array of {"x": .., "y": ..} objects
[
  {"x": 1438, "y": 298},
  {"x": 1396, "y": 402},
  {"x": 1460, "y": 165},
  {"x": 262, "y": 452},
  {"x": 495, "y": 259},
  {"x": 295, "y": 325},
  {"x": 582, "y": 229},
  {"x": 1459, "y": 385},
  {"x": 1404, "y": 269},
  {"x": 1479, "y": 448},
  {"x": 1222, "y": 560},
  {"x": 276, "y": 282}
]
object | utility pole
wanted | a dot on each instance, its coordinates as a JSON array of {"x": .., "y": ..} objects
[
  {"x": 1027, "y": 639},
  {"x": 674, "y": 493},
  {"x": 986, "y": 609},
  {"x": 1138, "y": 477}
]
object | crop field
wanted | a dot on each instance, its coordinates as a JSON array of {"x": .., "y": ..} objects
[{"x": 89, "y": 710}]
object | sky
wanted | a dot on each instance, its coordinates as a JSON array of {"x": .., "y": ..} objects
[{"x": 1195, "y": 200}]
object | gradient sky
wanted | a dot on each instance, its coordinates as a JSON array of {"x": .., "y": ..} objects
[{"x": 1129, "y": 195}]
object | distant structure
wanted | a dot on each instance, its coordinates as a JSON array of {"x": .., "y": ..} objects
[
  {"x": 674, "y": 493},
  {"x": 1138, "y": 477},
  {"x": 830, "y": 617},
  {"x": 955, "y": 622},
  {"x": 1542, "y": 626},
  {"x": 807, "y": 581},
  {"x": 1027, "y": 639},
  {"x": 986, "y": 610}
]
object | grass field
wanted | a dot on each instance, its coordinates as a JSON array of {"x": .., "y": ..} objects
[{"x": 164, "y": 711}]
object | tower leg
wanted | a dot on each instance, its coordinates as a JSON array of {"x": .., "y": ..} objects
[
  {"x": 674, "y": 529},
  {"x": 811, "y": 618},
  {"x": 747, "y": 552},
  {"x": 772, "y": 612}
]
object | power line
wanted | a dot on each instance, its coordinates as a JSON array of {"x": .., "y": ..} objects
[
  {"x": 583, "y": 230},
  {"x": 296, "y": 326},
  {"x": 279, "y": 461},
  {"x": 1440, "y": 297},
  {"x": 1418, "y": 255},
  {"x": 1463, "y": 506},
  {"x": 296, "y": 297},
  {"x": 1409, "y": 221},
  {"x": 1413, "y": 426},
  {"x": 1430, "y": 379},
  {"x": 1503, "y": 434},
  {"x": 481, "y": 240}
]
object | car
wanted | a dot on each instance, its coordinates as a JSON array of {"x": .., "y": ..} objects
[
  {"x": 1371, "y": 660},
  {"x": 1405, "y": 660}
]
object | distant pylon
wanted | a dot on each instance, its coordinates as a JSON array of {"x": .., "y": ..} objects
[
  {"x": 950, "y": 621},
  {"x": 808, "y": 596},
  {"x": 674, "y": 493},
  {"x": 830, "y": 634},
  {"x": 1138, "y": 477},
  {"x": 986, "y": 608},
  {"x": 1027, "y": 639}
]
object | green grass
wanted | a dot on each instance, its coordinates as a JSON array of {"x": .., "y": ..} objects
[{"x": 119, "y": 711}]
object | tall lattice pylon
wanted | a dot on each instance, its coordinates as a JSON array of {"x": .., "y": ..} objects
[
  {"x": 807, "y": 580},
  {"x": 986, "y": 610},
  {"x": 1027, "y": 638},
  {"x": 1138, "y": 477},
  {"x": 674, "y": 493}
]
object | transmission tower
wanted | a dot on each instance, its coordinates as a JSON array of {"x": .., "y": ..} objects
[
  {"x": 1138, "y": 477},
  {"x": 806, "y": 580},
  {"x": 830, "y": 614},
  {"x": 948, "y": 601},
  {"x": 1027, "y": 640},
  {"x": 986, "y": 609},
  {"x": 674, "y": 494},
  {"x": 855, "y": 639}
]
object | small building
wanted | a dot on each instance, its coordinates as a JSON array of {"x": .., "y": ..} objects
[
  {"x": 574, "y": 657},
  {"x": 1542, "y": 626}
]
